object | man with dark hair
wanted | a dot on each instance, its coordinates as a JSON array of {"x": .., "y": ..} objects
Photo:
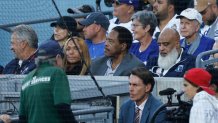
[
  {"x": 117, "y": 60},
  {"x": 166, "y": 15},
  {"x": 24, "y": 43},
  {"x": 209, "y": 12},
  {"x": 142, "y": 105},
  {"x": 45, "y": 92}
]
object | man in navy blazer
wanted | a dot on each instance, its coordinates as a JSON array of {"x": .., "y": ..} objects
[{"x": 141, "y": 83}]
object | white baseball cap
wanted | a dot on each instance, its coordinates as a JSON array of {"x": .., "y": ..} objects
[{"x": 191, "y": 14}]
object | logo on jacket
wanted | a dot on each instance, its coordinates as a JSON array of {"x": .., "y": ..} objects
[{"x": 179, "y": 68}]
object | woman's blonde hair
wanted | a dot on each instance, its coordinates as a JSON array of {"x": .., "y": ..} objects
[{"x": 84, "y": 52}]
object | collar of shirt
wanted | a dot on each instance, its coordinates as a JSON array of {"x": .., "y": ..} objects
[
  {"x": 110, "y": 71},
  {"x": 141, "y": 107}
]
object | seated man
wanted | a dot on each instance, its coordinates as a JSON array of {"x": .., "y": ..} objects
[
  {"x": 172, "y": 60},
  {"x": 24, "y": 44},
  {"x": 95, "y": 27},
  {"x": 142, "y": 105},
  {"x": 117, "y": 60},
  {"x": 194, "y": 43}
]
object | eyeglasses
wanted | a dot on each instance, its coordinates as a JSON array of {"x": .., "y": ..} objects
[{"x": 136, "y": 25}]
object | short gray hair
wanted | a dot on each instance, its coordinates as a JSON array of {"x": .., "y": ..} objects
[
  {"x": 25, "y": 32},
  {"x": 146, "y": 18}
]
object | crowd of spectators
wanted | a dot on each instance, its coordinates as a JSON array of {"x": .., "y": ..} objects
[{"x": 142, "y": 44}]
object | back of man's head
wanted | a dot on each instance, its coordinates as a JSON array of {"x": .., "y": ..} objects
[
  {"x": 124, "y": 36},
  {"x": 48, "y": 51},
  {"x": 145, "y": 75},
  {"x": 26, "y": 33}
]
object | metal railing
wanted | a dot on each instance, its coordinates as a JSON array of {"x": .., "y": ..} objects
[
  {"x": 203, "y": 63},
  {"x": 4, "y": 26}
]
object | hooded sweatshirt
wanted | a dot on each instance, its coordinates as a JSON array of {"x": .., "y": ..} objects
[{"x": 204, "y": 109}]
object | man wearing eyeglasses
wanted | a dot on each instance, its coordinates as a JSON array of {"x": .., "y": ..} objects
[
  {"x": 209, "y": 12},
  {"x": 123, "y": 11}
]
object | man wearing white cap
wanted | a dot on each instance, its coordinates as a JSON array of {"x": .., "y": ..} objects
[
  {"x": 209, "y": 12},
  {"x": 193, "y": 43}
]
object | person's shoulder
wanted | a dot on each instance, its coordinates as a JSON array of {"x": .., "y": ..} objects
[
  {"x": 207, "y": 39},
  {"x": 127, "y": 103},
  {"x": 133, "y": 59},
  {"x": 155, "y": 102},
  {"x": 99, "y": 60},
  {"x": 13, "y": 61},
  {"x": 113, "y": 20}
]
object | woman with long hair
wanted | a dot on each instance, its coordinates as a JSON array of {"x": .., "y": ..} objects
[{"x": 73, "y": 63}]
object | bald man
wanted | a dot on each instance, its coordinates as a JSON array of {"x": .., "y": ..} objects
[{"x": 172, "y": 60}]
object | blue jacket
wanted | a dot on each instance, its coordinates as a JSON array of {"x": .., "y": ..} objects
[
  {"x": 27, "y": 66},
  {"x": 127, "y": 111},
  {"x": 177, "y": 70},
  {"x": 206, "y": 44},
  {"x": 151, "y": 51}
]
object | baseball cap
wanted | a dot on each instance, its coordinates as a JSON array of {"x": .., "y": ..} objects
[
  {"x": 50, "y": 48},
  {"x": 201, "y": 5},
  {"x": 191, "y": 14},
  {"x": 82, "y": 9},
  {"x": 199, "y": 77},
  {"x": 97, "y": 18},
  {"x": 70, "y": 23},
  {"x": 134, "y": 3}
]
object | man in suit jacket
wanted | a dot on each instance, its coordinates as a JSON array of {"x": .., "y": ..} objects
[
  {"x": 141, "y": 83},
  {"x": 117, "y": 60}
]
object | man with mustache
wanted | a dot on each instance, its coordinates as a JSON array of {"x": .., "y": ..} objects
[
  {"x": 117, "y": 60},
  {"x": 172, "y": 60}
]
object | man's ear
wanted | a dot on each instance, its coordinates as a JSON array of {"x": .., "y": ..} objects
[
  {"x": 147, "y": 28},
  {"x": 123, "y": 46},
  {"x": 131, "y": 9},
  {"x": 59, "y": 61},
  {"x": 148, "y": 87},
  {"x": 170, "y": 8}
]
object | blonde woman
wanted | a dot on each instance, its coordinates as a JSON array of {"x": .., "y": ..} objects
[{"x": 73, "y": 64}]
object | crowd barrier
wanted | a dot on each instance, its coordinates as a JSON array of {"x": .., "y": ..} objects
[{"x": 87, "y": 101}]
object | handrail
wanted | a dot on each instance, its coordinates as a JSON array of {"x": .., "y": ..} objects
[
  {"x": 79, "y": 112},
  {"x": 93, "y": 111},
  {"x": 51, "y": 19},
  {"x": 199, "y": 63}
]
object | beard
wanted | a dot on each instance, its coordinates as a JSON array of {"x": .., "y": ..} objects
[{"x": 169, "y": 60}]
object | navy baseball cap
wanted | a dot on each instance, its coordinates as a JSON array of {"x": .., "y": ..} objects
[
  {"x": 134, "y": 3},
  {"x": 50, "y": 48},
  {"x": 97, "y": 18},
  {"x": 82, "y": 9},
  {"x": 68, "y": 23}
]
